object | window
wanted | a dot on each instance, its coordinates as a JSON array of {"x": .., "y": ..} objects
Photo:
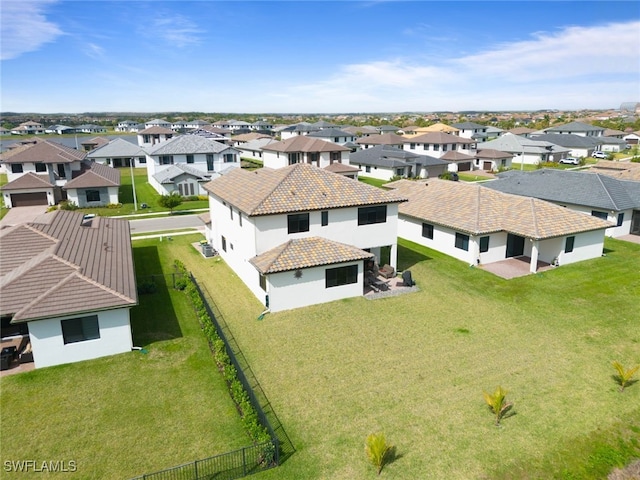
[
  {"x": 444, "y": 147},
  {"x": 142, "y": 159},
  {"x": 80, "y": 329},
  {"x": 569, "y": 243},
  {"x": 190, "y": 158},
  {"x": 166, "y": 159},
  {"x": 335, "y": 157},
  {"x": 462, "y": 241},
  {"x": 298, "y": 222},
  {"x": 146, "y": 139},
  {"x": 597, "y": 214},
  {"x": 314, "y": 157},
  {"x": 484, "y": 244},
  {"x": 16, "y": 168},
  {"x": 427, "y": 230},
  {"x": 436, "y": 147},
  {"x": 93, "y": 195},
  {"x": 239, "y": 217},
  {"x": 224, "y": 243},
  {"x": 620, "y": 219},
  {"x": 369, "y": 215},
  {"x": 229, "y": 158},
  {"x": 294, "y": 158},
  {"x": 186, "y": 189},
  {"x": 336, "y": 139},
  {"x": 263, "y": 282},
  {"x": 230, "y": 212},
  {"x": 324, "y": 218},
  {"x": 210, "y": 162},
  {"x": 41, "y": 167},
  {"x": 334, "y": 277},
  {"x": 367, "y": 168},
  {"x": 412, "y": 146}
]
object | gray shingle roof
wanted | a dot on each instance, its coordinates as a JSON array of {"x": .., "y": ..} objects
[
  {"x": 577, "y": 188},
  {"x": 117, "y": 148},
  {"x": 187, "y": 144},
  {"x": 169, "y": 174},
  {"x": 515, "y": 144},
  {"x": 575, "y": 127},
  {"x": 569, "y": 140},
  {"x": 387, "y": 156}
]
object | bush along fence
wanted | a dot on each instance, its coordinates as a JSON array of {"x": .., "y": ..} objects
[{"x": 271, "y": 446}]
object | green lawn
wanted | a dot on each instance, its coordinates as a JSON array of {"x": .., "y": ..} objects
[
  {"x": 128, "y": 414},
  {"x": 415, "y": 367},
  {"x": 3, "y": 210}
]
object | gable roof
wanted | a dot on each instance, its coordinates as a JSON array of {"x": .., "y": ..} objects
[
  {"x": 27, "y": 181},
  {"x": 61, "y": 264},
  {"x": 388, "y": 156},
  {"x": 43, "y": 151},
  {"x": 296, "y": 188},
  {"x": 117, "y": 148},
  {"x": 330, "y": 133},
  {"x": 187, "y": 144},
  {"x": 305, "y": 253},
  {"x": 304, "y": 143},
  {"x": 169, "y": 174},
  {"x": 94, "y": 175},
  {"x": 478, "y": 210},
  {"x": 570, "y": 187}
]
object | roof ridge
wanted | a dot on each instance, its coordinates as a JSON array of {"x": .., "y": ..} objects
[
  {"x": 600, "y": 180},
  {"x": 534, "y": 217},
  {"x": 275, "y": 187}
]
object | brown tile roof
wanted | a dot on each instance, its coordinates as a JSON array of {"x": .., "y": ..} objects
[
  {"x": 303, "y": 143},
  {"x": 521, "y": 130},
  {"x": 95, "y": 141},
  {"x": 306, "y": 253},
  {"x": 43, "y": 151},
  {"x": 620, "y": 170},
  {"x": 439, "y": 127},
  {"x": 155, "y": 131},
  {"x": 455, "y": 156},
  {"x": 27, "y": 181},
  {"x": 382, "y": 139},
  {"x": 337, "y": 167},
  {"x": 95, "y": 175},
  {"x": 247, "y": 137},
  {"x": 296, "y": 188},
  {"x": 62, "y": 265},
  {"x": 476, "y": 210},
  {"x": 492, "y": 154}
]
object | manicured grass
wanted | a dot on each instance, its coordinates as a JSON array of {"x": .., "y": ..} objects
[
  {"x": 128, "y": 414},
  {"x": 3, "y": 210},
  {"x": 415, "y": 367},
  {"x": 373, "y": 181}
]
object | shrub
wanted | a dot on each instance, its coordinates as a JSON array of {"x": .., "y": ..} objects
[
  {"x": 181, "y": 283},
  {"x": 623, "y": 378},
  {"x": 114, "y": 206},
  {"x": 378, "y": 450},
  {"x": 170, "y": 201},
  {"x": 68, "y": 205},
  {"x": 146, "y": 287},
  {"x": 497, "y": 403}
]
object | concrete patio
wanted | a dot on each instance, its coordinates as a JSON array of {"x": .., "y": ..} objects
[{"x": 515, "y": 267}]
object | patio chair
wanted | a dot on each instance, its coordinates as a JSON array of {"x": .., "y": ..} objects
[
  {"x": 387, "y": 271},
  {"x": 407, "y": 279}
]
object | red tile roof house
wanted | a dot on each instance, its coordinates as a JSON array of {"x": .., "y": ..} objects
[
  {"x": 66, "y": 286},
  {"x": 300, "y": 235},
  {"x": 45, "y": 172},
  {"x": 478, "y": 225},
  {"x": 304, "y": 149}
]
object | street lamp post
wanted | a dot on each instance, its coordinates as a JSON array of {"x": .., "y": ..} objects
[{"x": 133, "y": 185}]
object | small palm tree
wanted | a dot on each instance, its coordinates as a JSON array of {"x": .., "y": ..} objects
[
  {"x": 498, "y": 403},
  {"x": 377, "y": 450},
  {"x": 624, "y": 375}
]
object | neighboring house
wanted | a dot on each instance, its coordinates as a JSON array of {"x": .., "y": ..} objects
[
  {"x": 127, "y": 126},
  {"x": 437, "y": 128},
  {"x": 437, "y": 144},
  {"x": 334, "y": 135},
  {"x": 59, "y": 129},
  {"x": 612, "y": 144},
  {"x": 602, "y": 196},
  {"x": 90, "y": 128},
  {"x": 632, "y": 138},
  {"x": 213, "y": 132},
  {"x": 579, "y": 146},
  {"x": 385, "y": 129},
  {"x": 158, "y": 122},
  {"x": 154, "y": 135},
  {"x": 390, "y": 139},
  {"x": 363, "y": 131},
  {"x": 93, "y": 143},
  {"x": 493, "y": 132},
  {"x": 471, "y": 130},
  {"x": 296, "y": 130},
  {"x": 478, "y": 225},
  {"x": 527, "y": 150},
  {"x": 119, "y": 153},
  {"x": 344, "y": 170},
  {"x": 28, "y": 128},
  {"x": 198, "y": 159},
  {"x": 576, "y": 128},
  {"x": 610, "y": 132},
  {"x": 619, "y": 170},
  {"x": 96, "y": 185},
  {"x": 300, "y": 235},
  {"x": 521, "y": 131},
  {"x": 304, "y": 149},
  {"x": 492, "y": 160},
  {"x": 188, "y": 125},
  {"x": 238, "y": 140},
  {"x": 385, "y": 162},
  {"x": 67, "y": 286},
  {"x": 253, "y": 149}
]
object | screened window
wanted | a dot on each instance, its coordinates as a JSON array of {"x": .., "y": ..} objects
[
  {"x": 16, "y": 168},
  {"x": 229, "y": 158},
  {"x": 484, "y": 244},
  {"x": 569, "y": 244},
  {"x": 462, "y": 241},
  {"x": 142, "y": 159},
  {"x": 324, "y": 218},
  {"x": 80, "y": 329},
  {"x": 427, "y": 230},
  {"x": 93, "y": 195},
  {"x": 41, "y": 167},
  {"x": 298, "y": 222},
  {"x": 334, "y": 277},
  {"x": 369, "y": 215},
  {"x": 620, "y": 219},
  {"x": 598, "y": 214}
]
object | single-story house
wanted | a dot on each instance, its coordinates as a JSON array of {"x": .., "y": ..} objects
[
  {"x": 478, "y": 225},
  {"x": 527, "y": 150},
  {"x": 67, "y": 285},
  {"x": 119, "y": 153},
  {"x": 492, "y": 160},
  {"x": 386, "y": 161}
]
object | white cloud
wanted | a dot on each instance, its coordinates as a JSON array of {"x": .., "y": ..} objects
[
  {"x": 177, "y": 30},
  {"x": 24, "y": 27}
]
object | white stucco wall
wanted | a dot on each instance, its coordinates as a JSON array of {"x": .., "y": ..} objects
[
  {"x": 612, "y": 217},
  {"x": 587, "y": 245},
  {"x": 49, "y": 191},
  {"x": 49, "y": 348}
]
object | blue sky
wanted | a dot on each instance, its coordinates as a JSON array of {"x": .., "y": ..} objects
[{"x": 317, "y": 57}]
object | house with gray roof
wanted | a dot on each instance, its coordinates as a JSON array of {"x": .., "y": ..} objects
[
  {"x": 385, "y": 162},
  {"x": 576, "y": 128},
  {"x": 301, "y": 235},
  {"x": 471, "y": 130},
  {"x": 441, "y": 144},
  {"x": 206, "y": 156},
  {"x": 598, "y": 195},
  {"x": 334, "y": 135},
  {"x": 253, "y": 149},
  {"x": 67, "y": 285},
  {"x": 119, "y": 153},
  {"x": 579, "y": 146},
  {"x": 527, "y": 150},
  {"x": 481, "y": 226}
]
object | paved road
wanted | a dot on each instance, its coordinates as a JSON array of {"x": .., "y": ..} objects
[{"x": 165, "y": 223}]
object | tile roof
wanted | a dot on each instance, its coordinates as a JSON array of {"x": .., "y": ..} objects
[
  {"x": 492, "y": 154},
  {"x": 27, "y": 181},
  {"x": 439, "y": 138},
  {"x": 304, "y": 143},
  {"x": 296, "y": 188},
  {"x": 574, "y": 127},
  {"x": 95, "y": 175},
  {"x": 468, "y": 126},
  {"x": 169, "y": 174},
  {"x": 247, "y": 137},
  {"x": 455, "y": 156},
  {"x": 305, "y": 253},
  {"x": 571, "y": 187},
  {"x": 330, "y": 133},
  {"x": 381, "y": 139},
  {"x": 478, "y": 210},
  {"x": 569, "y": 140},
  {"x": 337, "y": 167},
  {"x": 61, "y": 264},
  {"x": 187, "y": 144},
  {"x": 155, "y": 131},
  {"x": 43, "y": 151},
  {"x": 515, "y": 144}
]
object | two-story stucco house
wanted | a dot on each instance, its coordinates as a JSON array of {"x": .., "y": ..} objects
[
  {"x": 304, "y": 149},
  {"x": 300, "y": 235}
]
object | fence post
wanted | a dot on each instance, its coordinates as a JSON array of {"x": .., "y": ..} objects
[
  {"x": 195, "y": 467},
  {"x": 244, "y": 461}
]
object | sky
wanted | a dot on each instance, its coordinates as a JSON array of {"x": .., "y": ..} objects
[{"x": 76, "y": 56}]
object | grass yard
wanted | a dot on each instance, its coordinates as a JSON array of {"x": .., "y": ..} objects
[
  {"x": 3, "y": 209},
  {"x": 415, "y": 366},
  {"x": 128, "y": 414}
]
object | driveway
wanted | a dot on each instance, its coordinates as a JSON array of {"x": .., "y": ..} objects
[{"x": 17, "y": 215}]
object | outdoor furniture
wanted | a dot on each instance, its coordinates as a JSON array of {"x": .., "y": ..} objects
[
  {"x": 407, "y": 279},
  {"x": 387, "y": 271}
]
